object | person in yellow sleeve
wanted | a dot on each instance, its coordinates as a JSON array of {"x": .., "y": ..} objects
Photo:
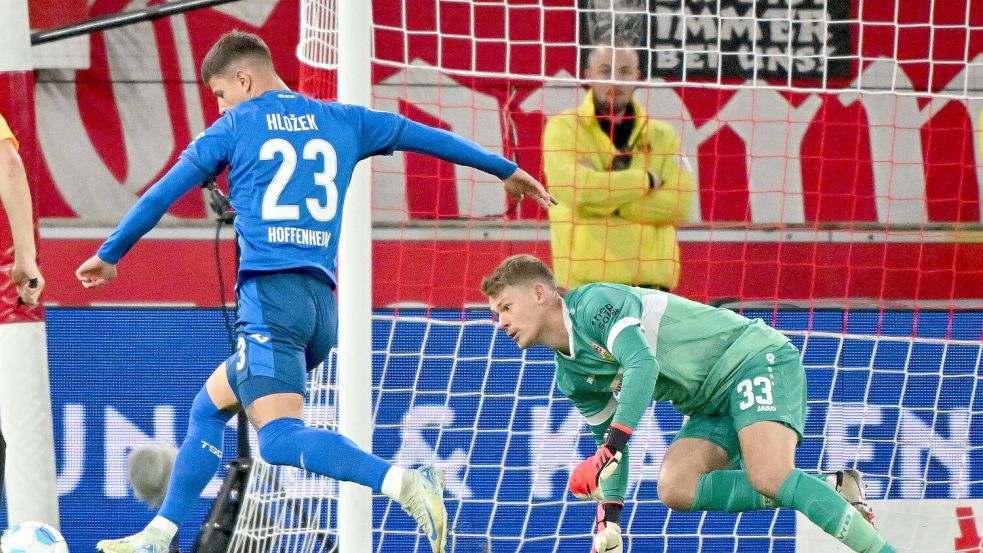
[
  {"x": 621, "y": 180},
  {"x": 16, "y": 199}
]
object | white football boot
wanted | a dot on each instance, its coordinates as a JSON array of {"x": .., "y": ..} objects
[
  {"x": 850, "y": 484},
  {"x": 150, "y": 540},
  {"x": 422, "y": 497}
]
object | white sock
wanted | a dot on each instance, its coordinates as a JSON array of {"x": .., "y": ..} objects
[
  {"x": 392, "y": 484},
  {"x": 164, "y": 525}
]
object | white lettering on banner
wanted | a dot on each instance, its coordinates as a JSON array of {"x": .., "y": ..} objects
[
  {"x": 552, "y": 452},
  {"x": 782, "y": 33},
  {"x": 918, "y": 445},
  {"x": 895, "y": 146},
  {"x": 921, "y": 444},
  {"x": 648, "y": 447},
  {"x": 467, "y": 112},
  {"x": 414, "y": 449},
  {"x": 122, "y": 436},
  {"x": 73, "y": 448},
  {"x": 842, "y": 448}
]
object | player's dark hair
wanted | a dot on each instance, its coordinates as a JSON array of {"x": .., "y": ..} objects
[
  {"x": 516, "y": 270},
  {"x": 232, "y": 47}
]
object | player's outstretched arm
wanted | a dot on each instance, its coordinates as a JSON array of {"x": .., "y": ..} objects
[
  {"x": 448, "y": 146},
  {"x": 100, "y": 269}
]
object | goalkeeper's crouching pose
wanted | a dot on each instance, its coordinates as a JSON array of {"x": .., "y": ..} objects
[{"x": 740, "y": 382}]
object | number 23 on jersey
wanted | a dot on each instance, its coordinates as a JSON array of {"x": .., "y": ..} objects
[{"x": 316, "y": 148}]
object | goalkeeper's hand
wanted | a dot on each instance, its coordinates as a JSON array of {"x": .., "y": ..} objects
[
  {"x": 607, "y": 531},
  {"x": 585, "y": 482}
]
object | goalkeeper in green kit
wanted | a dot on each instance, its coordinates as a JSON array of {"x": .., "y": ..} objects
[{"x": 740, "y": 382}]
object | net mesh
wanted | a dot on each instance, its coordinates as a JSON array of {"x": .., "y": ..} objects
[
  {"x": 833, "y": 147},
  {"x": 903, "y": 408}
]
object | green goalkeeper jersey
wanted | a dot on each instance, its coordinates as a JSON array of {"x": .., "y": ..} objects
[{"x": 648, "y": 344}]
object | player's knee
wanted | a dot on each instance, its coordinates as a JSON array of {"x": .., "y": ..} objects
[
  {"x": 766, "y": 481},
  {"x": 204, "y": 411},
  {"x": 673, "y": 493},
  {"x": 275, "y": 441}
]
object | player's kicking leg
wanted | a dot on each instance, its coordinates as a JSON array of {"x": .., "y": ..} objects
[
  {"x": 285, "y": 440},
  {"x": 196, "y": 464}
]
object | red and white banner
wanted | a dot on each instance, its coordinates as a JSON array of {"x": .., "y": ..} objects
[{"x": 763, "y": 156}]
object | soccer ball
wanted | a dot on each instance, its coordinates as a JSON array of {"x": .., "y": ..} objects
[{"x": 32, "y": 537}]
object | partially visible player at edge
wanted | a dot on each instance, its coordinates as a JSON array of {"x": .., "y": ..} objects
[
  {"x": 290, "y": 161},
  {"x": 740, "y": 382}
]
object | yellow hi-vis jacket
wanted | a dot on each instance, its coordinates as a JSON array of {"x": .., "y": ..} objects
[
  {"x": 609, "y": 225},
  {"x": 5, "y": 133}
]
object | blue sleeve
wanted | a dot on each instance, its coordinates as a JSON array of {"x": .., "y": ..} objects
[
  {"x": 142, "y": 217},
  {"x": 384, "y": 132},
  {"x": 212, "y": 149},
  {"x": 451, "y": 147},
  {"x": 379, "y": 131}
]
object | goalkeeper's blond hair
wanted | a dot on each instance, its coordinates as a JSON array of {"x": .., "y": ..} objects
[{"x": 517, "y": 270}]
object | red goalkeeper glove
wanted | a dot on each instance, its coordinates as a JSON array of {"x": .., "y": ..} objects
[
  {"x": 585, "y": 482},
  {"x": 607, "y": 530}
]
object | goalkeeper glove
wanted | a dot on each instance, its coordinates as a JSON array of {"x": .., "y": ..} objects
[
  {"x": 607, "y": 531},
  {"x": 585, "y": 481}
]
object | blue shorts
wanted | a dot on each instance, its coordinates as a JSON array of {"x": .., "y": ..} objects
[{"x": 288, "y": 323}]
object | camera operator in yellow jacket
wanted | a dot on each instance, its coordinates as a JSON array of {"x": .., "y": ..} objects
[{"x": 621, "y": 180}]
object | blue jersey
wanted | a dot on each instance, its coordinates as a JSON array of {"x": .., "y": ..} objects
[{"x": 290, "y": 161}]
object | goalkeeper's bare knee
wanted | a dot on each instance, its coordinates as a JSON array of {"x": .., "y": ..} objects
[{"x": 675, "y": 495}]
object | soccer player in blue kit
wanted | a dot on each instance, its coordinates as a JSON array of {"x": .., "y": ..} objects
[{"x": 290, "y": 159}]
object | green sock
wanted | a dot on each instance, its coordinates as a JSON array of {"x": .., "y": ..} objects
[
  {"x": 822, "y": 505},
  {"x": 729, "y": 491}
]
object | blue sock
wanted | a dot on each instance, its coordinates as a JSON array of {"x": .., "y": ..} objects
[
  {"x": 198, "y": 459},
  {"x": 286, "y": 441}
]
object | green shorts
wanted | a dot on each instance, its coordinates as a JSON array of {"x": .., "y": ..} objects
[{"x": 771, "y": 386}]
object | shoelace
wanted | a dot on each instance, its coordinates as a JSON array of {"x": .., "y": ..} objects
[{"x": 416, "y": 510}]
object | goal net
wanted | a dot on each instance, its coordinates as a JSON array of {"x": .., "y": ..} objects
[
  {"x": 833, "y": 147},
  {"x": 904, "y": 407}
]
